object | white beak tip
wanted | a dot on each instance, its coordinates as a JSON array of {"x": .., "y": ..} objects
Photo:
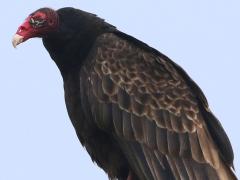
[{"x": 17, "y": 39}]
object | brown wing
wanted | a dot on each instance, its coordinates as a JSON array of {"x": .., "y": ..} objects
[{"x": 142, "y": 99}]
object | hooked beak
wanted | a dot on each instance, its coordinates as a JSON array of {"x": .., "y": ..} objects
[{"x": 17, "y": 39}]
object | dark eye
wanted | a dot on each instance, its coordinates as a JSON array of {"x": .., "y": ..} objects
[{"x": 37, "y": 23}]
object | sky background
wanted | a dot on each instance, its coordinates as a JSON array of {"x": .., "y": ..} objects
[{"x": 37, "y": 139}]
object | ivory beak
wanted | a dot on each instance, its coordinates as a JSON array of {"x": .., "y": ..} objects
[{"x": 17, "y": 39}]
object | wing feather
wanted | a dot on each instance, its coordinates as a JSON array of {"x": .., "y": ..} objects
[
  {"x": 127, "y": 127},
  {"x": 117, "y": 120},
  {"x": 152, "y": 105}
]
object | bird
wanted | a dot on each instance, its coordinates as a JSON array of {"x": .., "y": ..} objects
[{"x": 138, "y": 113}]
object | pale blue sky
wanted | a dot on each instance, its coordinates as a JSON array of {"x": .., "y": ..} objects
[{"x": 37, "y": 139}]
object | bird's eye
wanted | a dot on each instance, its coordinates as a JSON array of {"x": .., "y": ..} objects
[
  {"x": 31, "y": 21},
  {"x": 37, "y": 23}
]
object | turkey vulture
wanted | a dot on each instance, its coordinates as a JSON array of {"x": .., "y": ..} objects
[{"x": 139, "y": 115}]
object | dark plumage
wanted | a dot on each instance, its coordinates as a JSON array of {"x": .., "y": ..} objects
[{"x": 139, "y": 115}]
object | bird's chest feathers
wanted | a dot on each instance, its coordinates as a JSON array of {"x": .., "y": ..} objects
[
  {"x": 87, "y": 113},
  {"x": 77, "y": 107}
]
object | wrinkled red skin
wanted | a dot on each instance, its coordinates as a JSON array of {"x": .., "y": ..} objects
[{"x": 26, "y": 30}]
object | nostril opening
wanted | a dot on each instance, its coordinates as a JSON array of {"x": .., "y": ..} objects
[{"x": 22, "y": 28}]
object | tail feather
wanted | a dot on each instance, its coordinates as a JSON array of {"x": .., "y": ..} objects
[{"x": 165, "y": 167}]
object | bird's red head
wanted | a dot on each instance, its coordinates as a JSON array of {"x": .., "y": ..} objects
[{"x": 37, "y": 24}]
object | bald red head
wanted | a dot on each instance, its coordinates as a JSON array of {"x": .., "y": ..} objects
[{"x": 37, "y": 24}]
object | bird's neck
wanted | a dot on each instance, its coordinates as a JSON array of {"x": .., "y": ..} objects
[{"x": 70, "y": 52}]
